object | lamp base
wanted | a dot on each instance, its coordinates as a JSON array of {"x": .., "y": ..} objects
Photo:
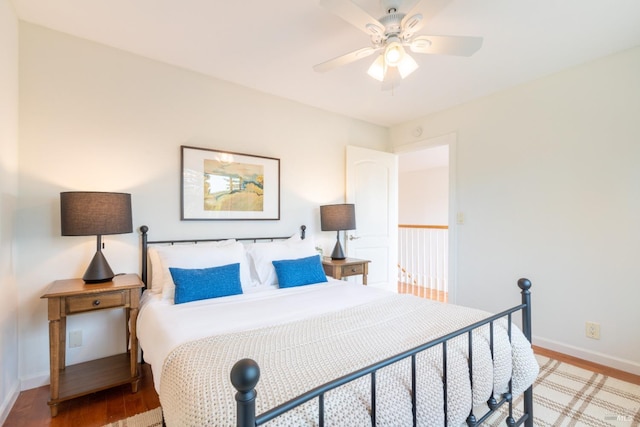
[
  {"x": 337, "y": 253},
  {"x": 98, "y": 270}
]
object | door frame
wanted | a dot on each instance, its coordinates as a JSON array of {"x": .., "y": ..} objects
[{"x": 450, "y": 139}]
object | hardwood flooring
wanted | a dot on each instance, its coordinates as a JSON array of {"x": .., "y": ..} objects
[
  {"x": 422, "y": 292},
  {"x": 93, "y": 410},
  {"x": 98, "y": 409}
]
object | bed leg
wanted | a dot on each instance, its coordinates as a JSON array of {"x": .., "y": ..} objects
[
  {"x": 244, "y": 377},
  {"x": 525, "y": 285},
  {"x": 528, "y": 406}
]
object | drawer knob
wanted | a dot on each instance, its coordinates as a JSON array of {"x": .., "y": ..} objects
[
  {"x": 353, "y": 270},
  {"x": 96, "y": 303}
]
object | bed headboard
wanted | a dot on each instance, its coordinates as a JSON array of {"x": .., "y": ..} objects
[{"x": 144, "y": 230}]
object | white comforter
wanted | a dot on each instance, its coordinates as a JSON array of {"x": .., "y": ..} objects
[
  {"x": 163, "y": 326},
  {"x": 370, "y": 319}
]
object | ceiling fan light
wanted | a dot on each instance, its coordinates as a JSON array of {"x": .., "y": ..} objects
[
  {"x": 393, "y": 53},
  {"x": 377, "y": 69},
  {"x": 407, "y": 66}
]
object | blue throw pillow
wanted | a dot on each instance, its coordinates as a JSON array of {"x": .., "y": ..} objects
[
  {"x": 204, "y": 283},
  {"x": 299, "y": 272}
]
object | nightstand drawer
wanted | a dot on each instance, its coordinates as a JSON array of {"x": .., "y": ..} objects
[
  {"x": 342, "y": 268},
  {"x": 82, "y": 303},
  {"x": 352, "y": 270}
]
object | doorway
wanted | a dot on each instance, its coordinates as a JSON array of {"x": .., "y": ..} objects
[{"x": 426, "y": 218}]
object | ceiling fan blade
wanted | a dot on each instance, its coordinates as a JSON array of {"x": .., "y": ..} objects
[
  {"x": 354, "y": 15},
  {"x": 446, "y": 45},
  {"x": 344, "y": 59},
  {"x": 420, "y": 13}
]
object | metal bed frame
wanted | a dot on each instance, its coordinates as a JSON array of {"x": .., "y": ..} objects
[
  {"x": 146, "y": 242},
  {"x": 245, "y": 374}
]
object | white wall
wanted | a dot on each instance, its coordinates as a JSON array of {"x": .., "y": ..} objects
[
  {"x": 548, "y": 179},
  {"x": 9, "y": 384},
  {"x": 423, "y": 196},
  {"x": 96, "y": 118}
]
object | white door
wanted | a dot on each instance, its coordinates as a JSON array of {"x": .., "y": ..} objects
[{"x": 372, "y": 185}]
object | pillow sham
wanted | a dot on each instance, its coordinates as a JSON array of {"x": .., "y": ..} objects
[
  {"x": 204, "y": 283},
  {"x": 156, "y": 270},
  {"x": 262, "y": 254},
  {"x": 201, "y": 256},
  {"x": 299, "y": 272}
]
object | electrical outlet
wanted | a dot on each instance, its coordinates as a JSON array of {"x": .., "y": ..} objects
[
  {"x": 75, "y": 339},
  {"x": 593, "y": 330}
]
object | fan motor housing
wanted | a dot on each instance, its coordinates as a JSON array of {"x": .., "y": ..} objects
[{"x": 392, "y": 23}]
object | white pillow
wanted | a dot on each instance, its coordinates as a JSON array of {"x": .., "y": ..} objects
[
  {"x": 154, "y": 271},
  {"x": 201, "y": 255},
  {"x": 262, "y": 254}
]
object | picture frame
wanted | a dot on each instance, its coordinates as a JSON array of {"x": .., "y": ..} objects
[{"x": 225, "y": 185}]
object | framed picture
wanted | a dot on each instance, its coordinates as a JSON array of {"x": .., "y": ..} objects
[{"x": 221, "y": 185}]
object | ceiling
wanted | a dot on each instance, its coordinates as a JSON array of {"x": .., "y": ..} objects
[{"x": 271, "y": 46}]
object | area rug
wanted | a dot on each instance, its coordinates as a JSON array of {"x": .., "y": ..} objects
[
  {"x": 152, "y": 418},
  {"x": 563, "y": 395}
]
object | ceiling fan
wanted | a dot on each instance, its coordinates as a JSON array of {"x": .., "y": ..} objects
[{"x": 391, "y": 34}]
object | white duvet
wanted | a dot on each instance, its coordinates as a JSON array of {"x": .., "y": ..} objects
[
  {"x": 305, "y": 336},
  {"x": 163, "y": 326}
]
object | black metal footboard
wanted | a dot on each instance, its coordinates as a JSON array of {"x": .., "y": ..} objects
[{"x": 246, "y": 373}]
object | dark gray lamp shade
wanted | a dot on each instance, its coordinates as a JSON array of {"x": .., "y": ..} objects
[
  {"x": 93, "y": 213},
  {"x": 337, "y": 218}
]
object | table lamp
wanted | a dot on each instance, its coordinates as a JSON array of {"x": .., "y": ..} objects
[
  {"x": 337, "y": 218},
  {"x": 88, "y": 213}
]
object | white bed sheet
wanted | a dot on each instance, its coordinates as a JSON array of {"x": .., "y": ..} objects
[{"x": 162, "y": 326}]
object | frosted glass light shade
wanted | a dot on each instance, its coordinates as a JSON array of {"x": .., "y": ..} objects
[
  {"x": 377, "y": 69},
  {"x": 407, "y": 66}
]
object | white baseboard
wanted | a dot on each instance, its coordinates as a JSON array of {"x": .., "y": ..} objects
[
  {"x": 591, "y": 356},
  {"x": 34, "y": 382},
  {"x": 8, "y": 402}
]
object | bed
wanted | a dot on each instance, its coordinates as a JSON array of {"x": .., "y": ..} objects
[{"x": 247, "y": 332}]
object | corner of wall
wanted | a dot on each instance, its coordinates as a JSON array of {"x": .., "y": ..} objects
[
  {"x": 9, "y": 359},
  {"x": 8, "y": 402}
]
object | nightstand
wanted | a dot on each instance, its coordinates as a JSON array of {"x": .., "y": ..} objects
[
  {"x": 73, "y": 296},
  {"x": 339, "y": 269}
]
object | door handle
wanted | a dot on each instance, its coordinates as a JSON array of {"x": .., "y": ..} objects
[{"x": 352, "y": 237}]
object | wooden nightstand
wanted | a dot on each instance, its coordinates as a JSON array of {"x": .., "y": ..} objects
[
  {"x": 346, "y": 267},
  {"x": 72, "y": 296}
]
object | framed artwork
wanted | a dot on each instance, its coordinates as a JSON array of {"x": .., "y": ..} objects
[{"x": 221, "y": 185}]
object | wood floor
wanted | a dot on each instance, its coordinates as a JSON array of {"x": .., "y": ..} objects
[
  {"x": 107, "y": 406},
  {"x": 422, "y": 292},
  {"x": 93, "y": 410}
]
